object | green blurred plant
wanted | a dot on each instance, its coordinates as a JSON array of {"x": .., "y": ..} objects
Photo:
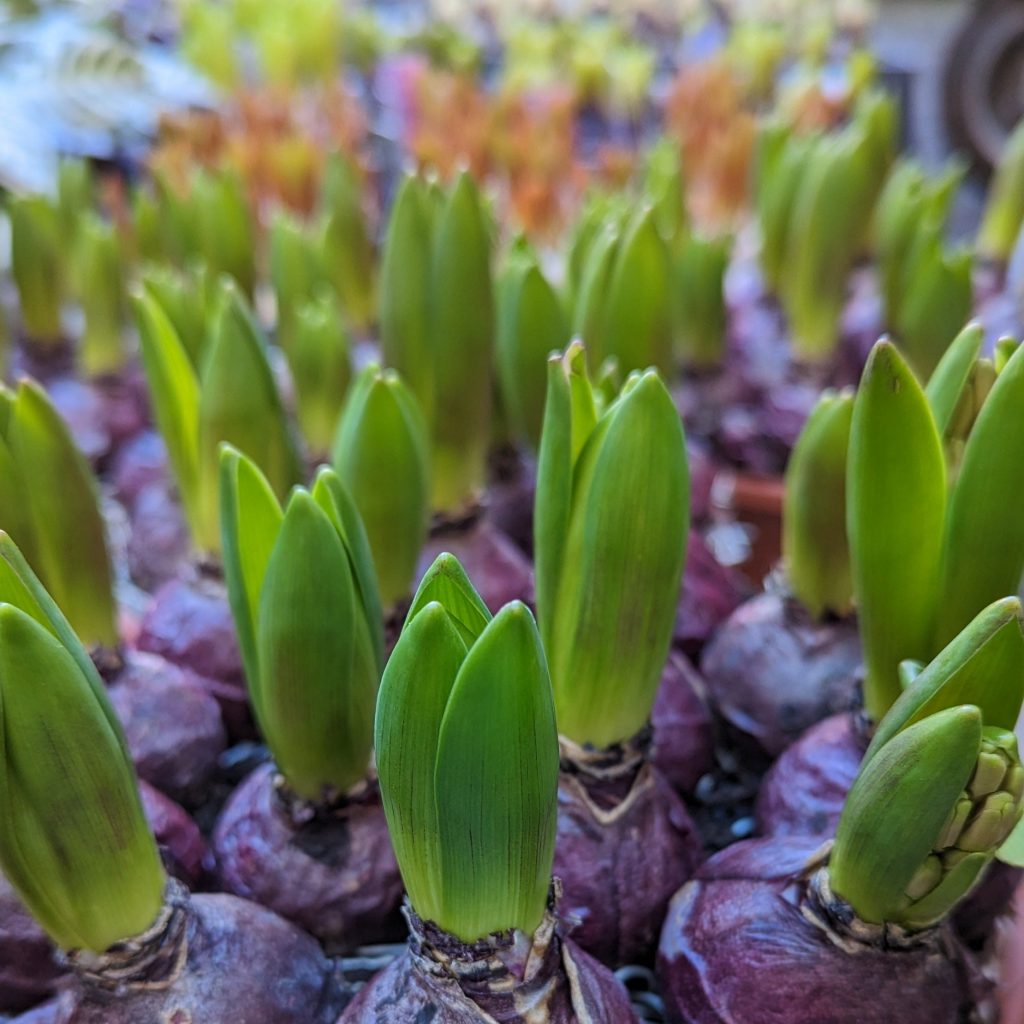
[
  {"x": 231, "y": 397},
  {"x": 926, "y": 284},
  {"x": 381, "y": 454},
  {"x": 38, "y": 265},
  {"x": 50, "y": 505},
  {"x": 1004, "y": 207},
  {"x": 437, "y": 326},
  {"x": 531, "y": 325},
  {"x": 815, "y": 551}
]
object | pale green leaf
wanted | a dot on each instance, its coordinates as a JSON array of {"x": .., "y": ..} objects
[
  {"x": 250, "y": 520},
  {"x": 983, "y": 553},
  {"x": 411, "y": 703},
  {"x": 896, "y": 481},
  {"x": 496, "y": 783},
  {"x": 446, "y": 582},
  {"x": 174, "y": 391}
]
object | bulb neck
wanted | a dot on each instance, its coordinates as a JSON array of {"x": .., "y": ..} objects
[
  {"x": 840, "y": 922},
  {"x": 499, "y": 969},
  {"x": 154, "y": 959},
  {"x": 608, "y": 779}
]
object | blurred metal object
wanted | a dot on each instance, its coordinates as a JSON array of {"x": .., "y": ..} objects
[{"x": 983, "y": 83}]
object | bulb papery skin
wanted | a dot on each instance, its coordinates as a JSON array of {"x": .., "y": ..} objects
[
  {"x": 28, "y": 968},
  {"x": 172, "y": 725},
  {"x": 804, "y": 791},
  {"x": 683, "y": 739},
  {"x": 189, "y": 624},
  {"x": 749, "y": 940},
  {"x": 710, "y": 593},
  {"x": 625, "y": 844},
  {"x": 334, "y": 875},
  {"x": 235, "y": 962},
  {"x": 511, "y": 979},
  {"x": 772, "y": 671}
]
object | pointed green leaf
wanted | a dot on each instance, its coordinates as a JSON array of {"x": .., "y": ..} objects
[
  {"x": 1005, "y": 347},
  {"x": 224, "y": 226},
  {"x": 380, "y": 453},
  {"x": 239, "y": 404},
  {"x": 597, "y": 213},
  {"x": 182, "y": 295},
  {"x": 320, "y": 360},
  {"x": 318, "y": 671},
  {"x": 348, "y": 248},
  {"x": 296, "y": 271},
  {"x": 638, "y": 318},
  {"x": 983, "y": 552},
  {"x": 405, "y": 283},
  {"x": 589, "y": 318},
  {"x": 909, "y": 670},
  {"x": 612, "y": 620},
  {"x": 446, "y": 582},
  {"x": 699, "y": 310},
  {"x": 250, "y": 520},
  {"x": 815, "y": 551},
  {"x": 68, "y": 535},
  {"x": 15, "y": 514},
  {"x": 531, "y": 325},
  {"x": 174, "y": 391},
  {"x": 73, "y": 839},
  {"x": 20, "y": 587},
  {"x": 785, "y": 159},
  {"x": 896, "y": 485},
  {"x": 983, "y": 666},
  {"x": 897, "y": 214},
  {"x": 1004, "y": 210},
  {"x": 496, "y": 786},
  {"x": 98, "y": 275},
  {"x": 413, "y": 696},
  {"x": 462, "y": 333},
  {"x": 76, "y": 193},
  {"x": 570, "y": 415},
  {"x": 947, "y": 385},
  {"x": 833, "y": 204},
  {"x": 37, "y": 264},
  {"x": 897, "y": 807},
  {"x": 334, "y": 498},
  {"x": 937, "y": 295},
  {"x": 665, "y": 185}
]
